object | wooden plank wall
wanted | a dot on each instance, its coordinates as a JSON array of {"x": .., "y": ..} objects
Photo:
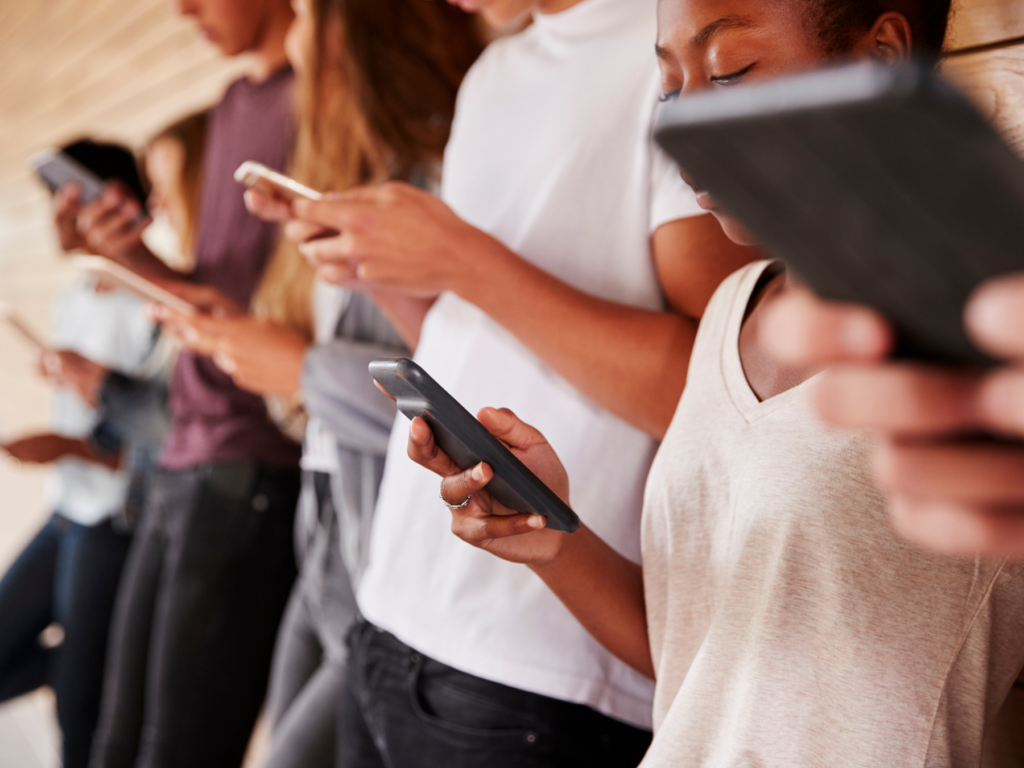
[
  {"x": 118, "y": 69},
  {"x": 994, "y": 77}
]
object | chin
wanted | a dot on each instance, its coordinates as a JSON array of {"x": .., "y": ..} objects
[{"x": 734, "y": 230}]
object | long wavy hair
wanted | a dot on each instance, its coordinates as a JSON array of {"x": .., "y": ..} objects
[{"x": 376, "y": 103}]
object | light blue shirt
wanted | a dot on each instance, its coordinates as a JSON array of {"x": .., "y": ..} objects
[{"x": 111, "y": 329}]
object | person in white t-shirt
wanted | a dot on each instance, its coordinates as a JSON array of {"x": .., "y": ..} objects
[
  {"x": 572, "y": 265},
  {"x": 784, "y": 620}
]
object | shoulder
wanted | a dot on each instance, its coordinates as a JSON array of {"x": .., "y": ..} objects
[{"x": 497, "y": 57}]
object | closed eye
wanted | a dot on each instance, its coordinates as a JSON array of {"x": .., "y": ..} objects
[{"x": 733, "y": 78}]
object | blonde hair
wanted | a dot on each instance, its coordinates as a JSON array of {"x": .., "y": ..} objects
[
  {"x": 377, "y": 104},
  {"x": 190, "y": 134}
]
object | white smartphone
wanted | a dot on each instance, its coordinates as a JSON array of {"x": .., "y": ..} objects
[
  {"x": 257, "y": 176},
  {"x": 10, "y": 316},
  {"x": 140, "y": 286}
]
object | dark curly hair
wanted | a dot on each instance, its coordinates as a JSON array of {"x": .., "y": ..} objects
[{"x": 840, "y": 22}]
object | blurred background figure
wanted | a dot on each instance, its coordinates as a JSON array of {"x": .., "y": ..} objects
[{"x": 69, "y": 573}]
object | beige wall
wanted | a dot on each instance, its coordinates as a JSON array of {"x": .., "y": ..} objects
[{"x": 118, "y": 69}]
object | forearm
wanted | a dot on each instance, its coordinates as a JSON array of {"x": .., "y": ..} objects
[
  {"x": 605, "y": 592},
  {"x": 143, "y": 261},
  {"x": 631, "y": 361}
]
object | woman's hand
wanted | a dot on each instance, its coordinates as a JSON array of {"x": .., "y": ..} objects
[
  {"x": 259, "y": 355},
  {"x": 484, "y": 522},
  {"x": 394, "y": 236},
  {"x": 954, "y": 495},
  {"x": 112, "y": 224},
  {"x": 198, "y": 333},
  {"x": 70, "y": 370}
]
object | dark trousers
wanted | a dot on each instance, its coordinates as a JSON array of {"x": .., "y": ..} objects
[
  {"x": 206, "y": 583},
  {"x": 68, "y": 575},
  {"x": 401, "y": 709}
]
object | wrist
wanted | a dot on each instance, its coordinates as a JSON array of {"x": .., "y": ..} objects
[
  {"x": 485, "y": 262},
  {"x": 571, "y": 548}
]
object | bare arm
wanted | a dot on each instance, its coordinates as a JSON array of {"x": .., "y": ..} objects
[
  {"x": 631, "y": 361},
  {"x": 48, "y": 448},
  {"x": 600, "y": 587}
]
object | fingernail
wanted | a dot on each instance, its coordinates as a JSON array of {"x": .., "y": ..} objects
[
  {"x": 478, "y": 472},
  {"x": 537, "y": 521}
]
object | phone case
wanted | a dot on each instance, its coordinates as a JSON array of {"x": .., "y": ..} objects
[
  {"x": 57, "y": 169},
  {"x": 253, "y": 174},
  {"x": 878, "y": 185},
  {"x": 467, "y": 442}
]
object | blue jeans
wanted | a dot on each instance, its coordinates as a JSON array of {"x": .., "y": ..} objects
[{"x": 68, "y": 574}]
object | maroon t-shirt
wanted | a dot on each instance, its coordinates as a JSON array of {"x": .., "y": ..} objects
[{"x": 213, "y": 420}]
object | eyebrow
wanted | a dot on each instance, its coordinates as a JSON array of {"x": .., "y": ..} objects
[{"x": 727, "y": 22}]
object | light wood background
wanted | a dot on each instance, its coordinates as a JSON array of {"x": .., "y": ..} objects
[{"x": 121, "y": 69}]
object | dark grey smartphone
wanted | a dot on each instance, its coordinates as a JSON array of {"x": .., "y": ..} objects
[
  {"x": 877, "y": 185},
  {"x": 467, "y": 442}
]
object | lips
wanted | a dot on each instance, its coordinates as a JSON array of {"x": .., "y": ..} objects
[{"x": 704, "y": 198}]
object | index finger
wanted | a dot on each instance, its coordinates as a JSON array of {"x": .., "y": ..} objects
[
  {"x": 336, "y": 211},
  {"x": 426, "y": 452},
  {"x": 267, "y": 207}
]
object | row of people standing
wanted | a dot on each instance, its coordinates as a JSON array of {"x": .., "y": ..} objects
[{"x": 572, "y": 266}]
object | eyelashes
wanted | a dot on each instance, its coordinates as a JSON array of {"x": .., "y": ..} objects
[{"x": 730, "y": 79}]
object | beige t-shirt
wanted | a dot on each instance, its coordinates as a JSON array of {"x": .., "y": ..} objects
[{"x": 789, "y": 625}]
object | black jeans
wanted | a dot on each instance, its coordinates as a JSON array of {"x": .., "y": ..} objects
[
  {"x": 401, "y": 709},
  {"x": 68, "y": 574},
  {"x": 204, "y": 589}
]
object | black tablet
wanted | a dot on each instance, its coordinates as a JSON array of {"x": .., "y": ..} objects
[
  {"x": 877, "y": 185},
  {"x": 467, "y": 442}
]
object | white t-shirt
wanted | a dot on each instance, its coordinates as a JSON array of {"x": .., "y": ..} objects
[
  {"x": 551, "y": 153},
  {"x": 111, "y": 329},
  {"x": 790, "y": 626}
]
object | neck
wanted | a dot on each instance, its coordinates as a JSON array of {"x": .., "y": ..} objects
[
  {"x": 556, "y": 6},
  {"x": 269, "y": 54}
]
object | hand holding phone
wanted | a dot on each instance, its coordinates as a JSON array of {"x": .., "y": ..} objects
[
  {"x": 257, "y": 176},
  {"x": 467, "y": 442},
  {"x": 130, "y": 281}
]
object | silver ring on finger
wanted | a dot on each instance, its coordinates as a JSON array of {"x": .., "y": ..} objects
[{"x": 440, "y": 495}]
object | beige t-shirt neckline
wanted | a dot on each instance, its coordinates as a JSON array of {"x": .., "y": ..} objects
[{"x": 740, "y": 392}]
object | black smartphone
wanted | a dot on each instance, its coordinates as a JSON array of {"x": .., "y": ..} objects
[
  {"x": 877, "y": 185},
  {"x": 467, "y": 442}
]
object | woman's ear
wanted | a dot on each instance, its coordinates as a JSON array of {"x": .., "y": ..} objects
[{"x": 889, "y": 39}]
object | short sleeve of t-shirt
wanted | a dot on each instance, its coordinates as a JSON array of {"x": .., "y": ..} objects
[{"x": 671, "y": 197}]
